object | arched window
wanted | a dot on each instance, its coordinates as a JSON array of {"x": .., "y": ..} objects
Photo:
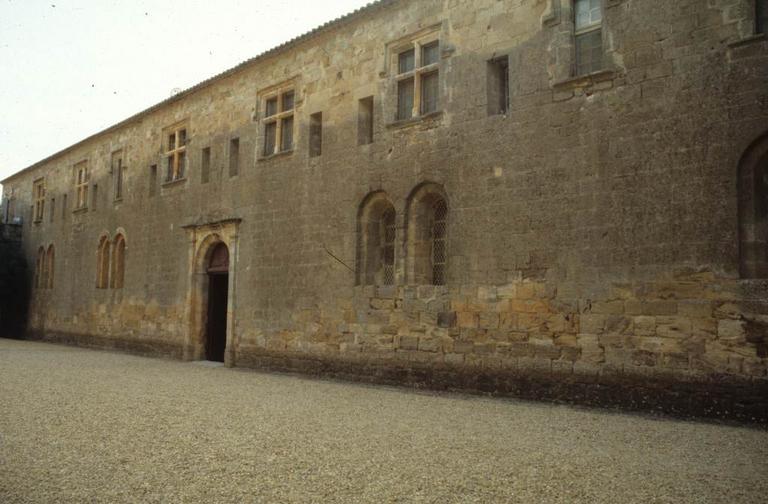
[
  {"x": 118, "y": 262},
  {"x": 102, "y": 266},
  {"x": 39, "y": 266},
  {"x": 50, "y": 258},
  {"x": 753, "y": 210},
  {"x": 428, "y": 235},
  {"x": 377, "y": 230}
]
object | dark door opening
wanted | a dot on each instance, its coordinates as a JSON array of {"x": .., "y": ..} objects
[
  {"x": 218, "y": 285},
  {"x": 218, "y": 296}
]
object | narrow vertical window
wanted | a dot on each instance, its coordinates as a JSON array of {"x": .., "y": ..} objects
[
  {"x": 117, "y": 169},
  {"x": 761, "y": 16},
  {"x": 286, "y": 134},
  {"x": 64, "y": 207},
  {"x": 498, "y": 86},
  {"x": 50, "y": 259},
  {"x": 39, "y": 265},
  {"x": 365, "y": 121},
  {"x": 270, "y": 138},
  {"x": 38, "y": 190},
  {"x": 429, "y": 93},
  {"x": 82, "y": 180},
  {"x": 589, "y": 36},
  {"x": 405, "y": 99},
  {"x": 387, "y": 229},
  {"x": 53, "y": 209},
  {"x": 117, "y": 274},
  {"x": 439, "y": 252},
  {"x": 316, "y": 134},
  {"x": 234, "y": 157},
  {"x": 152, "y": 180},
  {"x": 205, "y": 165},
  {"x": 102, "y": 265},
  {"x": 95, "y": 197}
]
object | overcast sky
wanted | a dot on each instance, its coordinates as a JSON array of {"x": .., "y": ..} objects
[{"x": 69, "y": 68}]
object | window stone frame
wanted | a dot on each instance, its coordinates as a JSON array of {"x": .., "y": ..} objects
[
  {"x": 281, "y": 115},
  {"x": 416, "y": 41}
]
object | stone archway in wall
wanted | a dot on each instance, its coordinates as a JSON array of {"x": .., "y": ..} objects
[
  {"x": 207, "y": 243},
  {"x": 753, "y": 210}
]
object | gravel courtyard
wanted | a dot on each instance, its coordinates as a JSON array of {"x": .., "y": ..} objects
[{"x": 79, "y": 425}]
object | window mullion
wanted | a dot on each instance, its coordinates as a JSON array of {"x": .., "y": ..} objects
[
  {"x": 278, "y": 134},
  {"x": 416, "y": 94}
]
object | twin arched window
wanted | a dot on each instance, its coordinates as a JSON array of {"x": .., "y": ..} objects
[
  {"x": 110, "y": 266},
  {"x": 44, "y": 269},
  {"x": 426, "y": 238}
]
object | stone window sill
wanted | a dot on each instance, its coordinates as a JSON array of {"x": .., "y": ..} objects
[
  {"x": 405, "y": 123},
  {"x": 758, "y": 37},
  {"x": 584, "y": 80},
  {"x": 80, "y": 210},
  {"x": 174, "y": 183},
  {"x": 276, "y": 155}
]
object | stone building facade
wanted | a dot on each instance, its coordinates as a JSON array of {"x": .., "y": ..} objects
[{"x": 546, "y": 198}]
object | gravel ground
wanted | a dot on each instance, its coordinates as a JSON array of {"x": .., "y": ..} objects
[{"x": 80, "y": 425}]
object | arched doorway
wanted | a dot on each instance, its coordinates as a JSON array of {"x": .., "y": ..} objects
[
  {"x": 753, "y": 210},
  {"x": 218, "y": 298}
]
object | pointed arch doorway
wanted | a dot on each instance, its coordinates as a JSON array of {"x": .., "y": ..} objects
[{"x": 218, "y": 301}]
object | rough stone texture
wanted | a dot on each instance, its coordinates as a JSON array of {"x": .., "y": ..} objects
[
  {"x": 593, "y": 230},
  {"x": 83, "y": 426}
]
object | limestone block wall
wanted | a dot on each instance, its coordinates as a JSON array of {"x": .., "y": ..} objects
[{"x": 593, "y": 230}]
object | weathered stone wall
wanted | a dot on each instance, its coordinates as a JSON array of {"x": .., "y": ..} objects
[{"x": 593, "y": 230}]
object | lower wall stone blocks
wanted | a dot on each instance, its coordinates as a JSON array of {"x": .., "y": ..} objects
[{"x": 696, "y": 351}]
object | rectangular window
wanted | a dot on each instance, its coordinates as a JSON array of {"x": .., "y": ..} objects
[
  {"x": 278, "y": 121},
  {"x": 588, "y": 18},
  {"x": 287, "y": 101},
  {"x": 498, "y": 86},
  {"x": 152, "y": 180},
  {"x": 95, "y": 197},
  {"x": 175, "y": 153},
  {"x": 761, "y": 16},
  {"x": 38, "y": 191},
  {"x": 365, "y": 121},
  {"x": 82, "y": 180},
  {"x": 64, "y": 207},
  {"x": 270, "y": 138},
  {"x": 234, "y": 157},
  {"x": 406, "y": 61},
  {"x": 117, "y": 172},
  {"x": 405, "y": 99},
  {"x": 53, "y": 209},
  {"x": 418, "y": 78},
  {"x": 429, "y": 53},
  {"x": 205, "y": 165},
  {"x": 286, "y": 134},
  {"x": 316, "y": 134},
  {"x": 429, "y": 93}
]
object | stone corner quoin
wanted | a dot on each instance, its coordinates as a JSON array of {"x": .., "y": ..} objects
[{"x": 540, "y": 199}]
